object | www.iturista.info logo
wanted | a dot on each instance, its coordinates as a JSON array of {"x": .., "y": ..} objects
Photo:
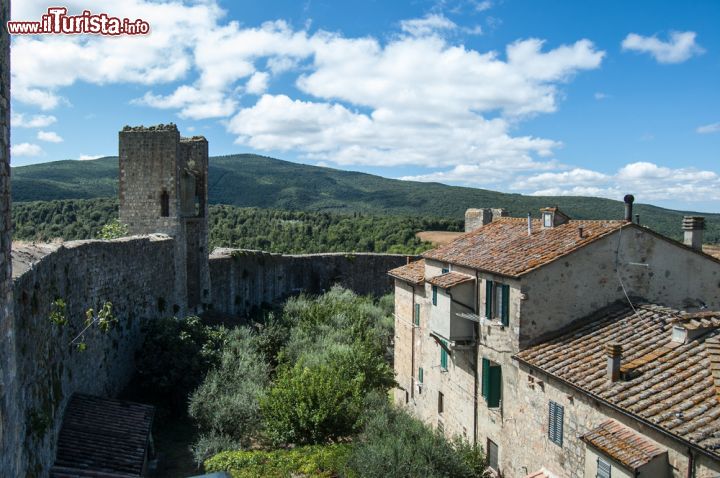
[{"x": 57, "y": 21}]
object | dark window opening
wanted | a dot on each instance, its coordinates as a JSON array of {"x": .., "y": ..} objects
[
  {"x": 441, "y": 402},
  {"x": 434, "y": 295},
  {"x": 164, "y": 204},
  {"x": 497, "y": 301},
  {"x": 492, "y": 454}
]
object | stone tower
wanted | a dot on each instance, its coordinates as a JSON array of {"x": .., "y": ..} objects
[{"x": 163, "y": 189}]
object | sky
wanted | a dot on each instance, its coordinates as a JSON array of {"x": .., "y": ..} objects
[{"x": 523, "y": 96}]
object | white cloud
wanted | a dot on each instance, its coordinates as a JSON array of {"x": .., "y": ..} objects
[
  {"x": 49, "y": 137},
  {"x": 680, "y": 47},
  {"x": 709, "y": 128},
  {"x": 647, "y": 181},
  {"x": 428, "y": 25},
  {"x": 19, "y": 120},
  {"x": 484, "y": 5},
  {"x": 601, "y": 96},
  {"x": 25, "y": 149},
  {"x": 258, "y": 83},
  {"x": 89, "y": 157}
]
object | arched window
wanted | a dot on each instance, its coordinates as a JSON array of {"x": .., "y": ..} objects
[{"x": 164, "y": 204}]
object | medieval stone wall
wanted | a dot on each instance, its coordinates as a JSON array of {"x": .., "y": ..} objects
[
  {"x": 243, "y": 279},
  {"x": 136, "y": 275},
  {"x": 8, "y": 458}
]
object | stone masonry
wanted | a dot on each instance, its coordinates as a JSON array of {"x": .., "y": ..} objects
[
  {"x": 163, "y": 189},
  {"x": 8, "y": 403}
]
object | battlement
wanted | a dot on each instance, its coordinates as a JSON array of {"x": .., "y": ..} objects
[{"x": 146, "y": 129}]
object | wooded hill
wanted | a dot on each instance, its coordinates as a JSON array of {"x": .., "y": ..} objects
[{"x": 256, "y": 181}]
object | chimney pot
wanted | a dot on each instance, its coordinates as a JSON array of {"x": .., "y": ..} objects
[
  {"x": 693, "y": 231},
  {"x": 580, "y": 232},
  {"x": 629, "y": 200},
  {"x": 529, "y": 224},
  {"x": 614, "y": 356}
]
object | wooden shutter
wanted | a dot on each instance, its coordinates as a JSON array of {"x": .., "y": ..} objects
[
  {"x": 603, "y": 469},
  {"x": 443, "y": 356},
  {"x": 417, "y": 314},
  {"x": 505, "y": 304},
  {"x": 555, "y": 423},
  {"x": 434, "y": 296},
  {"x": 495, "y": 381},
  {"x": 420, "y": 375},
  {"x": 488, "y": 298},
  {"x": 485, "y": 378}
]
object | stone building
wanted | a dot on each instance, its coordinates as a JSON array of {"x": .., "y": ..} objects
[
  {"x": 164, "y": 189},
  {"x": 501, "y": 338}
]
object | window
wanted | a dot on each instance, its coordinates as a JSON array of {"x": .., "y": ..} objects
[
  {"x": 434, "y": 292},
  {"x": 420, "y": 375},
  {"x": 164, "y": 204},
  {"x": 555, "y": 423},
  {"x": 604, "y": 469},
  {"x": 491, "y": 383},
  {"x": 417, "y": 315},
  {"x": 443, "y": 355},
  {"x": 492, "y": 454},
  {"x": 497, "y": 301},
  {"x": 547, "y": 219},
  {"x": 445, "y": 271},
  {"x": 441, "y": 402}
]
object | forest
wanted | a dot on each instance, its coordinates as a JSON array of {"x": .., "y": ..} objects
[{"x": 270, "y": 230}]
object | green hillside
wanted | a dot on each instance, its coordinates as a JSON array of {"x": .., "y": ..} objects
[{"x": 256, "y": 181}]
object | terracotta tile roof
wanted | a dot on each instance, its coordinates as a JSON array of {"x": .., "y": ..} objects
[
  {"x": 503, "y": 246},
  {"x": 103, "y": 437},
  {"x": 622, "y": 444},
  {"x": 413, "y": 272},
  {"x": 450, "y": 279},
  {"x": 674, "y": 389}
]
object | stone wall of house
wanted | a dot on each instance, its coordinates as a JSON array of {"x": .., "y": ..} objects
[
  {"x": 652, "y": 268},
  {"x": 8, "y": 402},
  {"x": 523, "y": 432},
  {"x": 243, "y": 279},
  {"x": 134, "y": 274}
]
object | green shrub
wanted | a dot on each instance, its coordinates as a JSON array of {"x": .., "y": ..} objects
[
  {"x": 175, "y": 356},
  {"x": 395, "y": 444},
  {"x": 226, "y": 404},
  {"x": 322, "y": 402},
  {"x": 320, "y": 461},
  {"x": 113, "y": 230}
]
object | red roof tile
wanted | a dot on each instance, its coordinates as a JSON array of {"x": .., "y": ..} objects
[
  {"x": 622, "y": 444},
  {"x": 671, "y": 385},
  {"x": 450, "y": 279},
  {"x": 413, "y": 272},
  {"x": 504, "y": 246}
]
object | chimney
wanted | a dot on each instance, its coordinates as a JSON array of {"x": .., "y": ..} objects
[
  {"x": 629, "y": 199},
  {"x": 614, "y": 355},
  {"x": 637, "y": 219},
  {"x": 693, "y": 228},
  {"x": 580, "y": 232},
  {"x": 529, "y": 224},
  {"x": 476, "y": 218}
]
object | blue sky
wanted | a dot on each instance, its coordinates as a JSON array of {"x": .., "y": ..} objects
[{"x": 533, "y": 97}]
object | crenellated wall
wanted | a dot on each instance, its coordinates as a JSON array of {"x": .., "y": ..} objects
[
  {"x": 243, "y": 279},
  {"x": 84, "y": 274}
]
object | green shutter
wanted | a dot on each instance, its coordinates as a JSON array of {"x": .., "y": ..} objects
[
  {"x": 495, "y": 381},
  {"x": 485, "y": 378},
  {"x": 443, "y": 356},
  {"x": 434, "y": 292},
  {"x": 420, "y": 375},
  {"x": 417, "y": 314},
  {"x": 488, "y": 298},
  {"x": 505, "y": 304}
]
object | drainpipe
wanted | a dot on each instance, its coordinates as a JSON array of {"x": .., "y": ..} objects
[
  {"x": 412, "y": 347},
  {"x": 691, "y": 464},
  {"x": 476, "y": 328}
]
